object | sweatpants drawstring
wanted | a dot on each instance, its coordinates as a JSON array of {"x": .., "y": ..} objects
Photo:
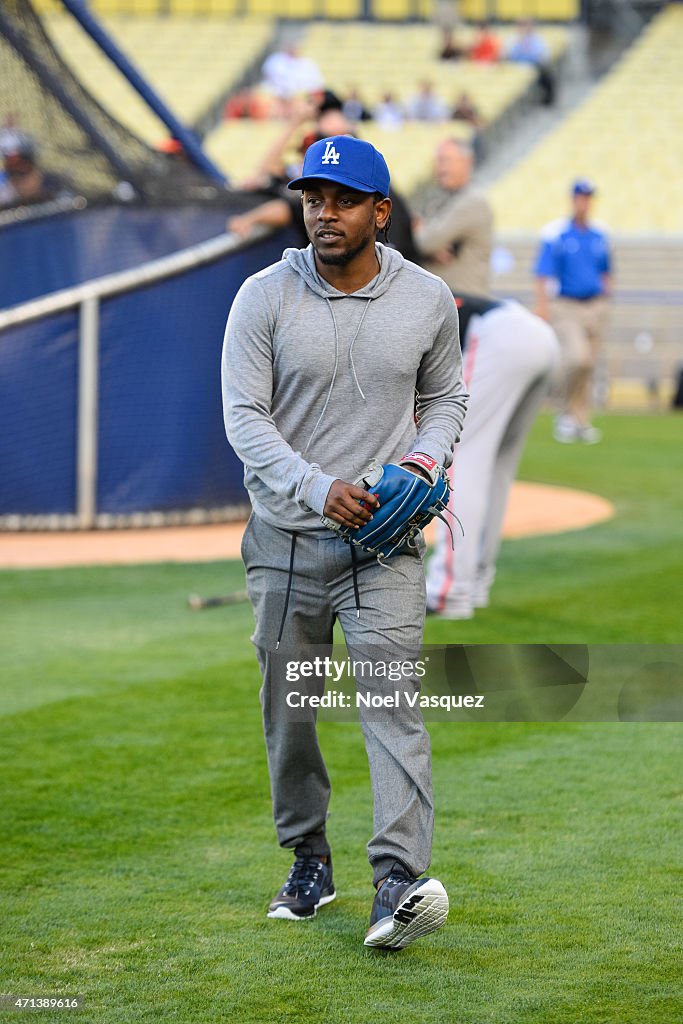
[
  {"x": 354, "y": 571},
  {"x": 289, "y": 590},
  {"x": 290, "y": 577}
]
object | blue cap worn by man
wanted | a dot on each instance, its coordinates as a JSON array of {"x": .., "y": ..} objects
[
  {"x": 583, "y": 187},
  {"x": 324, "y": 352},
  {"x": 345, "y": 161}
]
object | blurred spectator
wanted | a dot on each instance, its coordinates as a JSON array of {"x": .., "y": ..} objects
[
  {"x": 486, "y": 46},
  {"x": 575, "y": 253},
  {"x": 465, "y": 110},
  {"x": 6, "y": 190},
  {"x": 388, "y": 113},
  {"x": 274, "y": 169},
  {"x": 284, "y": 206},
  {"x": 24, "y": 180},
  {"x": 450, "y": 48},
  {"x": 528, "y": 47},
  {"x": 286, "y": 74},
  {"x": 253, "y": 104},
  {"x": 427, "y": 105},
  {"x": 333, "y": 122},
  {"x": 354, "y": 109},
  {"x": 171, "y": 147},
  {"x": 324, "y": 100},
  {"x": 456, "y": 234}
]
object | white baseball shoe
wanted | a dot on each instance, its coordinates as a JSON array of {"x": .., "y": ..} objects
[
  {"x": 590, "y": 434},
  {"x": 566, "y": 430},
  {"x": 405, "y": 909}
]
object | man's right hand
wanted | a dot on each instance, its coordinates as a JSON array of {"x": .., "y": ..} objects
[{"x": 343, "y": 504}]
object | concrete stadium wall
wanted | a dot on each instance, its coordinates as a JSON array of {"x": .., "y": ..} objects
[{"x": 645, "y": 337}]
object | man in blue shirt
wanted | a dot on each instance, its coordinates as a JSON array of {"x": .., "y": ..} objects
[
  {"x": 575, "y": 253},
  {"x": 529, "y": 47}
]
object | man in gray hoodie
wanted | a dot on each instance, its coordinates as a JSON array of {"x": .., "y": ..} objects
[{"x": 341, "y": 353}]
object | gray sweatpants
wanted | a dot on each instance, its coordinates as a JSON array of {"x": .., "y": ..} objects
[{"x": 391, "y": 620}]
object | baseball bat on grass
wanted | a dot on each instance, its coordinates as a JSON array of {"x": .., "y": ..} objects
[{"x": 197, "y": 603}]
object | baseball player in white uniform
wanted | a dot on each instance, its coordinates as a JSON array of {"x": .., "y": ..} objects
[{"x": 509, "y": 358}]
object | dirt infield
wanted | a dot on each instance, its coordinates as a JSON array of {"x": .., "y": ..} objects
[{"x": 534, "y": 509}]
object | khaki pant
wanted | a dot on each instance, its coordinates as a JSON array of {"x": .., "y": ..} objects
[{"x": 580, "y": 327}]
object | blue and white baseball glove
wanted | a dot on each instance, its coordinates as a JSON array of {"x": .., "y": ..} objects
[{"x": 407, "y": 503}]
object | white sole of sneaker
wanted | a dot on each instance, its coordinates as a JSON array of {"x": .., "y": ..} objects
[
  {"x": 285, "y": 914},
  {"x": 423, "y": 911}
]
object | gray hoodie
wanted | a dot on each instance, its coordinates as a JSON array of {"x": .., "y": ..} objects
[{"x": 316, "y": 383}]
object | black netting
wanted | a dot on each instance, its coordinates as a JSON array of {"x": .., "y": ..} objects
[{"x": 78, "y": 140}]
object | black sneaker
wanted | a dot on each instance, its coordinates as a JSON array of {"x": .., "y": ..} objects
[
  {"x": 404, "y": 909},
  {"x": 309, "y": 885}
]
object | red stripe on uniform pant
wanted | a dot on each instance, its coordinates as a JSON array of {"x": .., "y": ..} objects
[{"x": 449, "y": 567}]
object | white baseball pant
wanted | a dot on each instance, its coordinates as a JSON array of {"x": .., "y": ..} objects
[{"x": 510, "y": 358}]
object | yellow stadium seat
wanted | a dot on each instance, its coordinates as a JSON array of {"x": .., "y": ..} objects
[
  {"x": 511, "y": 10},
  {"x": 558, "y": 10},
  {"x": 224, "y": 7},
  {"x": 342, "y": 8},
  {"x": 393, "y": 10},
  {"x": 183, "y": 7},
  {"x": 168, "y": 51},
  {"x": 474, "y": 10},
  {"x": 627, "y": 136},
  {"x": 111, "y": 7},
  {"x": 47, "y": 6},
  {"x": 263, "y": 8},
  {"x": 297, "y": 8}
]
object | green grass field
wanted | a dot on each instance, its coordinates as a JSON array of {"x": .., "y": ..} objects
[{"x": 137, "y": 852}]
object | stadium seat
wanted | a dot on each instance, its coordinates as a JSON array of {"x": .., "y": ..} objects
[
  {"x": 303, "y": 9},
  {"x": 628, "y": 136},
  {"x": 373, "y": 58},
  {"x": 168, "y": 51},
  {"x": 399, "y": 10},
  {"x": 239, "y": 146},
  {"x": 510, "y": 10},
  {"x": 474, "y": 10},
  {"x": 342, "y": 8},
  {"x": 410, "y": 151},
  {"x": 558, "y": 10}
]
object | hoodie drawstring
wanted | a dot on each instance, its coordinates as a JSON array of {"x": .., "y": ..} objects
[
  {"x": 336, "y": 366},
  {"x": 353, "y": 367},
  {"x": 334, "y": 377}
]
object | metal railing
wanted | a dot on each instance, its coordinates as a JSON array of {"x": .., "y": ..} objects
[{"x": 86, "y": 298}]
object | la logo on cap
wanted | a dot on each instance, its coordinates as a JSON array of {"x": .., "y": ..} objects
[
  {"x": 330, "y": 156},
  {"x": 351, "y": 163}
]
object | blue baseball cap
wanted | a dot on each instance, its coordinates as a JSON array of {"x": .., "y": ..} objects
[
  {"x": 345, "y": 161},
  {"x": 583, "y": 187}
]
